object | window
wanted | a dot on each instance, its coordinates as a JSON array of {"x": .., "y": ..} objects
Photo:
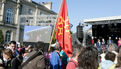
[
  {"x": 8, "y": 36},
  {"x": 40, "y": 13},
  {"x": 30, "y": 11},
  {"x": 9, "y": 16}
]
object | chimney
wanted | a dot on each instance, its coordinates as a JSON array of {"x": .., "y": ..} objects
[{"x": 47, "y": 5}]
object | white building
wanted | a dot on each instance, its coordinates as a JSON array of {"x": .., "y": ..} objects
[{"x": 10, "y": 10}]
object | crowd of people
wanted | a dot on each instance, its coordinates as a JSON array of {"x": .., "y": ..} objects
[
  {"x": 102, "y": 55},
  {"x": 15, "y": 56},
  {"x": 103, "y": 44},
  {"x": 89, "y": 57}
]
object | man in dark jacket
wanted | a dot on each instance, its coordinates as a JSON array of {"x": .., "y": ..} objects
[
  {"x": 98, "y": 44},
  {"x": 35, "y": 59}
]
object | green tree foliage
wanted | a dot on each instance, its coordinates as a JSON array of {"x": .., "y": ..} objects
[
  {"x": 54, "y": 40},
  {"x": 71, "y": 32},
  {"x": 1, "y": 37}
]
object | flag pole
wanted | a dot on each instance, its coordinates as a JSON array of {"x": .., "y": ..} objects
[
  {"x": 54, "y": 29},
  {"x": 52, "y": 36}
]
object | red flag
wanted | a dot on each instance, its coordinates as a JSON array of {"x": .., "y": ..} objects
[{"x": 63, "y": 35}]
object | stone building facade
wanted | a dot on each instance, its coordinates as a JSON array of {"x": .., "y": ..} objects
[{"x": 10, "y": 10}]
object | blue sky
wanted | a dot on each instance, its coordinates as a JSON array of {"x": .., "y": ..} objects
[{"x": 84, "y": 9}]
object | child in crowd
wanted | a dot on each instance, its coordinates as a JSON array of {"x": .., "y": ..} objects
[
  {"x": 109, "y": 61},
  {"x": 7, "y": 57}
]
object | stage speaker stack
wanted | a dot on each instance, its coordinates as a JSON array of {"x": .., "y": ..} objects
[{"x": 80, "y": 33}]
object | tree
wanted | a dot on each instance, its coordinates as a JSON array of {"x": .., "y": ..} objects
[
  {"x": 71, "y": 32},
  {"x": 1, "y": 37},
  {"x": 54, "y": 40}
]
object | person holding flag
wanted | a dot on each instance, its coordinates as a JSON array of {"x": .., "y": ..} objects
[
  {"x": 62, "y": 36},
  {"x": 55, "y": 60}
]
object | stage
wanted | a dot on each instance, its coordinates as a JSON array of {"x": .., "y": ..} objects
[{"x": 105, "y": 27}]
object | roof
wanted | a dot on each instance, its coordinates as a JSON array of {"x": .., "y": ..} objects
[
  {"x": 102, "y": 19},
  {"x": 43, "y": 7},
  {"x": 40, "y": 6}
]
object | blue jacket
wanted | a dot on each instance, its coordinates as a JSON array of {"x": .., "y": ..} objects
[
  {"x": 98, "y": 45},
  {"x": 55, "y": 62}
]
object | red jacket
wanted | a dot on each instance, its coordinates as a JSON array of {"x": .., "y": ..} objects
[{"x": 92, "y": 41}]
